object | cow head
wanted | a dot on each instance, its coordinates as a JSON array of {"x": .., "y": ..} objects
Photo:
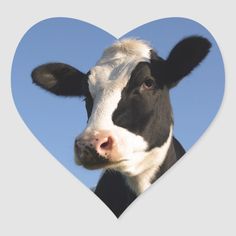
[{"x": 127, "y": 100}]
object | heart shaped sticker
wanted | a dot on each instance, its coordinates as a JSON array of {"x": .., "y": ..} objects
[{"x": 148, "y": 96}]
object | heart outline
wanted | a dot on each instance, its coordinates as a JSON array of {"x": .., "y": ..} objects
[{"x": 15, "y": 86}]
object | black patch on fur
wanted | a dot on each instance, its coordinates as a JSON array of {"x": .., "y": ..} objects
[{"x": 145, "y": 112}]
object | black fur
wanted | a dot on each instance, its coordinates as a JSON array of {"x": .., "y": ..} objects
[
  {"x": 114, "y": 192},
  {"x": 183, "y": 58},
  {"x": 61, "y": 79},
  {"x": 145, "y": 113}
]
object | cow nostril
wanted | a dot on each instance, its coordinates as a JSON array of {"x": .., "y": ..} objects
[
  {"x": 104, "y": 145},
  {"x": 107, "y": 144}
]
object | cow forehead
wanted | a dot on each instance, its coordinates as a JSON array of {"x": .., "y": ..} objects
[
  {"x": 114, "y": 68},
  {"x": 126, "y": 48}
]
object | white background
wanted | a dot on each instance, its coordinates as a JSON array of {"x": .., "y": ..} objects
[{"x": 40, "y": 197}]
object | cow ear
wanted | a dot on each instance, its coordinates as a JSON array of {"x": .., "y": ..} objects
[
  {"x": 60, "y": 79},
  {"x": 184, "y": 57}
]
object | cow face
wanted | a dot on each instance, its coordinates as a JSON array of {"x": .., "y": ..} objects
[{"x": 127, "y": 100}]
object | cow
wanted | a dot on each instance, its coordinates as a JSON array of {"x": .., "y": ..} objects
[{"x": 129, "y": 131}]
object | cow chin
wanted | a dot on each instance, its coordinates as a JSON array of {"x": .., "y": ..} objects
[
  {"x": 92, "y": 160},
  {"x": 96, "y": 162}
]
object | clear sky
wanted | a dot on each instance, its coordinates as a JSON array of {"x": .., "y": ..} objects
[{"x": 56, "y": 121}]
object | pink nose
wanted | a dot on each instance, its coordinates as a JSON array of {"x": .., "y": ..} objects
[{"x": 102, "y": 143}]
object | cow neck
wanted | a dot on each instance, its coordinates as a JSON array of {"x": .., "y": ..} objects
[
  {"x": 170, "y": 160},
  {"x": 154, "y": 165}
]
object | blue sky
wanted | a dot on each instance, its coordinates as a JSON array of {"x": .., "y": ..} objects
[{"x": 56, "y": 121}]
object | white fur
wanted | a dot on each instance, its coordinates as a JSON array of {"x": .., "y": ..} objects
[
  {"x": 106, "y": 82},
  {"x": 139, "y": 172}
]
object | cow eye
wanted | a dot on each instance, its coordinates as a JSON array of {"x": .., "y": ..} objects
[{"x": 148, "y": 84}]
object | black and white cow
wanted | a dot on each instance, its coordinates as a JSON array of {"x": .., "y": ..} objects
[{"x": 130, "y": 124}]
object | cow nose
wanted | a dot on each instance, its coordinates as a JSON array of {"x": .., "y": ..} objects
[
  {"x": 102, "y": 142},
  {"x": 103, "y": 145}
]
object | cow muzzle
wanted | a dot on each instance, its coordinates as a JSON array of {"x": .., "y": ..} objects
[{"x": 96, "y": 149}]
